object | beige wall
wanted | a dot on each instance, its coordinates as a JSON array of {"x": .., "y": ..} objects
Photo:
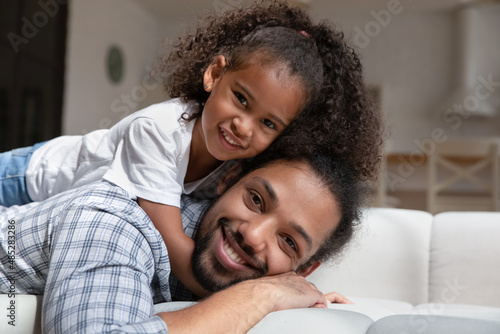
[{"x": 91, "y": 100}]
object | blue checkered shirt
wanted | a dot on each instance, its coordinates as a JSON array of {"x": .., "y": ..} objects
[{"x": 95, "y": 256}]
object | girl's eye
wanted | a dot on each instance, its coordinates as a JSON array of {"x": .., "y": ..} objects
[
  {"x": 242, "y": 99},
  {"x": 269, "y": 124},
  {"x": 290, "y": 242}
]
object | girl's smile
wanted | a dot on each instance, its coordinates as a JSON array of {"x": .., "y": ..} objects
[{"x": 229, "y": 138}]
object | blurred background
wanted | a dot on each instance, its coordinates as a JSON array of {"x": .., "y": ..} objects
[{"x": 70, "y": 67}]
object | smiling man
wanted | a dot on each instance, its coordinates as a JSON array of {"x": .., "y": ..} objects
[
  {"x": 263, "y": 226},
  {"x": 101, "y": 265}
]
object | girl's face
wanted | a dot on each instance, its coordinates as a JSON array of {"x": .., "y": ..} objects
[{"x": 247, "y": 108}]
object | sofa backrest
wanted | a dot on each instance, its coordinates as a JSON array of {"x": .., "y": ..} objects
[
  {"x": 412, "y": 256},
  {"x": 388, "y": 258},
  {"x": 464, "y": 265}
]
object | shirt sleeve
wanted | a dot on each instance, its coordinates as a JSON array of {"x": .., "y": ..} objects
[
  {"x": 149, "y": 163},
  {"x": 101, "y": 269}
]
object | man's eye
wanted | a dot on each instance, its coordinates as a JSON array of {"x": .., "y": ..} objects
[
  {"x": 290, "y": 242},
  {"x": 242, "y": 99},
  {"x": 269, "y": 124},
  {"x": 256, "y": 199}
]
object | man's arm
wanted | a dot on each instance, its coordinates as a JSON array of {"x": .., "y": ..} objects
[{"x": 240, "y": 307}]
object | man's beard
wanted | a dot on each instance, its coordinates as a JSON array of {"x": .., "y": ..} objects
[{"x": 211, "y": 275}]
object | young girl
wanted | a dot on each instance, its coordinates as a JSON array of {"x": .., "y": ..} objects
[{"x": 236, "y": 82}]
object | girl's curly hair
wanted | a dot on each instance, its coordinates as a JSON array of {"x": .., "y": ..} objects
[{"x": 338, "y": 115}]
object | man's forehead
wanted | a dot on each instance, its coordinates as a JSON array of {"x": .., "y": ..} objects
[{"x": 272, "y": 171}]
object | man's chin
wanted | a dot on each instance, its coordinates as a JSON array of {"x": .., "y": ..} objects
[{"x": 213, "y": 277}]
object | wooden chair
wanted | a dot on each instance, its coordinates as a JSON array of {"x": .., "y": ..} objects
[{"x": 463, "y": 175}]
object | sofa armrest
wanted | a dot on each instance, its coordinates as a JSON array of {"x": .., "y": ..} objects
[{"x": 20, "y": 314}]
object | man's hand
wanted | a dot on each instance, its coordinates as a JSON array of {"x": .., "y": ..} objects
[
  {"x": 288, "y": 291},
  {"x": 241, "y": 306}
]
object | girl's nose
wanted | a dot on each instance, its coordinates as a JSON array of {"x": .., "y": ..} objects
[{"x": 242, "y": 126}]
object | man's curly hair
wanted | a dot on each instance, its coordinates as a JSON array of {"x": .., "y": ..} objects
[{"x": 338, "y": 115}]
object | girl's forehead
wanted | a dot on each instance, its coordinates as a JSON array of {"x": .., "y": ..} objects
[
  {"x": 276, "y": 68},
  {"x": 260, "y": 57}
]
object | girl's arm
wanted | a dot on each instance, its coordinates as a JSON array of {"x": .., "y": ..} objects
[{"x": 168, "y": 221}]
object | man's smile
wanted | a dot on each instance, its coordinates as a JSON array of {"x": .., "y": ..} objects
[{"x": 232, "y": 256}]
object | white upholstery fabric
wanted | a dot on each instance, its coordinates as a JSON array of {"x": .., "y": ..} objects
[
  {"x": 25, "y": 310},
  {"x": 441, "y": 324},
  {"x": 465, "y": 258},
  {"x": 457, "y": 310},
  {"x": 388, "y": 259},
  {"x": 300, "y": 321},
  {"x": 317, "y": 321},
  {"x": 373, "y": 307}
]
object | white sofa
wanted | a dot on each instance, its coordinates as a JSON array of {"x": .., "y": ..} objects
[
  {"x": 412, "y": 272},
  {"x": 407, "y": 272}
]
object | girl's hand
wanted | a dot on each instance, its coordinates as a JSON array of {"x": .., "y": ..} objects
[{"x": 335, "y": 297}]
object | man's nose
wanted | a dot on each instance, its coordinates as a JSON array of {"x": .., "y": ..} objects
[
  {"x": 243, "y": 125},
  {"x": 258, "y": 233}
]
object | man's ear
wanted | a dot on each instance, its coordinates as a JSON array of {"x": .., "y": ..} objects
[
  {"x": 231, "y": 173},
  {"x": 308, "y": 270},
  {"x": 214, "y": 72}
]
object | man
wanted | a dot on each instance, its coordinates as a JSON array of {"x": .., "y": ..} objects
[{"x": 100, "y": 264}]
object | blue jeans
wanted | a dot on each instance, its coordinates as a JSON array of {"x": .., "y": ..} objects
[{"x": 13, "y": 165}]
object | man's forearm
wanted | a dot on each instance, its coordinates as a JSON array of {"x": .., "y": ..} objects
[{"x": 242, "y": 306}]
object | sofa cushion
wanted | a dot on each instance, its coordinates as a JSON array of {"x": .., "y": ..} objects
[
  {"x": 313, "y": 320},
  {"x": 388, "y": 258},
  {"x": 464, "y": 263},
  {"x": 299, "y": 321},
  {"x": 457, "y": 310},
  {"x": 413, "y": 324}
]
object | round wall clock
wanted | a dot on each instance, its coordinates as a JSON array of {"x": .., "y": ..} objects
[{"x": 115, "y": 64}]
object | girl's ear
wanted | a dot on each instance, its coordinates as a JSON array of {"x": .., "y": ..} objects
[
  {"x": 214, "y": 72},
  {"x": 231, "y": 173}
]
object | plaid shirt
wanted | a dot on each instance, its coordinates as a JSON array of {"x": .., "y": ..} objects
[{"x": 95, "y": 256}]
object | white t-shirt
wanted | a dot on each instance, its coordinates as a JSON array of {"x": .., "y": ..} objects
[{"x": 146, "y": 153}]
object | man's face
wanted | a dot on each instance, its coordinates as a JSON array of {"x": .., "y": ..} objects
[{"x": 270, "y": 222}]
